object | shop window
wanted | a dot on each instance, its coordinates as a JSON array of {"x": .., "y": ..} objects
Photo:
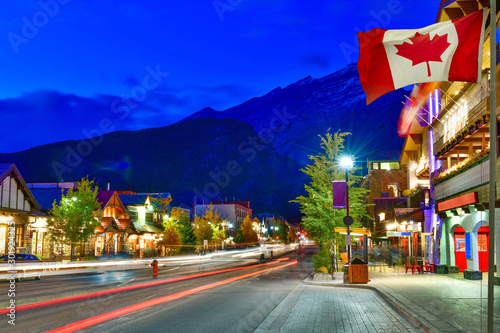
[
  {"x": 460, "y": 243},
  {"x": 482, "y": 242},
  {"x": 375, "y": 166},
  {"x": 19, "y": 236},
  {"x": 394, "y": 166}
]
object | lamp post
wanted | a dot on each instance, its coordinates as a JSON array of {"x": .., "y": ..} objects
[{"x": 347, "y": 163}]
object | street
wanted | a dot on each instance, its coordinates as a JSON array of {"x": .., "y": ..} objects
[{"x": 231, "y": 301}]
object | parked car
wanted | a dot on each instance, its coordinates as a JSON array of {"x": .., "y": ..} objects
[{"x": 20, "y": 257}]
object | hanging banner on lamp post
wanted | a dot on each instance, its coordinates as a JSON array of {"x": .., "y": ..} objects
[{"x": 339, "y": 194}]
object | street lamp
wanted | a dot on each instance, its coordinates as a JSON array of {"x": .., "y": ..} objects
[{"x": 347, "y": 163}]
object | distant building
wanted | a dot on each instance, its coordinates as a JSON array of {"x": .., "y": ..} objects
[
  {"x": 386, "y": 181},
  {"x": 232, "y": 211}
]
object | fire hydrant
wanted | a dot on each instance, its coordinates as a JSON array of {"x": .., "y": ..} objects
[{"x": 155, "y": 268}]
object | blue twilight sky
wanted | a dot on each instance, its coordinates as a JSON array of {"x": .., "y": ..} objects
[{"x": 66, "y": 65}]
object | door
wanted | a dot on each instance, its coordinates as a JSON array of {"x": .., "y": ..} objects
[
  {"x": 460, "y": 251},
  {"x": 482, "y": 247}
]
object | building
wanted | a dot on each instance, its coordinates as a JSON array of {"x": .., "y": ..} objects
[
  {"x": 460, "y": 177},
  {"x": 386, "y": 181},
  {"x": 18, "y": 210},
  {"x": 446, "y": 155},
  {"x": 232, "y": 211},
  {"x": 146, "y": 212}
]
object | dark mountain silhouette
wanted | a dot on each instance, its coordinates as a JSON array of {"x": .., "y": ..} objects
[
  {"x": 252, "y": 151},
  {"x": 195, "y": 157},
  {"x": 336, "y": 101}
]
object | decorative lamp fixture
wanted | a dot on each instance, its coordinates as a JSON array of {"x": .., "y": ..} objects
[
  {"x": 442, "y": 215},
  {"x": 480, "y": 207},
  {"x": 467, "y": 209}
]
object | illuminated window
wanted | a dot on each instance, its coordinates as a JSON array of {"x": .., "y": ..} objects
[
  {"x": 375, "y": 166},
  {"x": 385, "y": 166},
  {"x": 394, "y": 165}
]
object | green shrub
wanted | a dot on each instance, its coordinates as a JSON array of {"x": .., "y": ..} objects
[{"x": 322, "y": 259}]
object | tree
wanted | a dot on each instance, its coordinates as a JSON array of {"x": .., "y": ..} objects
[
  {"x": 238, "y": 237},
  {"x": 249, "y": 234},
  {"x": 184, "y": 226},
  {"x": 74, "y": 218},
  {"x": 171, "y": 235},
  {"x": 320, "y": 219},
  {"x": 206, "y": 224},
  {"x": 187, "y": 233}
]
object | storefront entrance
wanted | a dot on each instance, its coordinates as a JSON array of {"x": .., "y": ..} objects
[{"x": 482, "y": 248}]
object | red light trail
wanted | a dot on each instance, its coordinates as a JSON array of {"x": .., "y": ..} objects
[
  {"x": 116, "y": 290},
  {"x": 81, "y": 324}
]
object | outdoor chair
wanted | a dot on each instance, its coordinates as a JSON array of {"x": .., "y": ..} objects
[
  {"x": 428, "y": 267},
  {"x": 412, "y": 267}
]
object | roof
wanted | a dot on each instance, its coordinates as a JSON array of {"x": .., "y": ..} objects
[
  {"x": 147, "y": 227},
  {"x": 133, "y": 199},
  {"x": 104, "y": 196},
  {"x": 46, "y": 196},
  {"x": 6, "y": 169},
  {"x": 126, "y": 225}
]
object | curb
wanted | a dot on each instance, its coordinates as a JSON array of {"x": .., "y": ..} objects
[{"x": 414, "y": 320}]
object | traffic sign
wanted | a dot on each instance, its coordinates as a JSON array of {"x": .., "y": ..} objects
[{"x": 348, "y": 220}]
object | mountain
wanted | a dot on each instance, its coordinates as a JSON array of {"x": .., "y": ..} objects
[
  {"x": 194, "y": 157},
  {"x": 252, "y": 151},
  {"x": 311, "y": 106}
]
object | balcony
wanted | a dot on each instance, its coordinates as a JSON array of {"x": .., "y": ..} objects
[
  {"x": 463, "y": 178},
  {"x": 469, "y": 133}
]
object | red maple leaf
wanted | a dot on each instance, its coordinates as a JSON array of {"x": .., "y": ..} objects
[{"x": 423, "y": 49}]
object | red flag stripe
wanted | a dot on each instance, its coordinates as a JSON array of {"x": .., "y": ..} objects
[
  {"x": 464, "y": 64},
  {"x": 375, "y": 76}
]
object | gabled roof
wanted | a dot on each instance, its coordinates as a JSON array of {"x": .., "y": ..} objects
[
  {"x": 126, "y": 225},
  {"x": 10, "y": 169},
  {"x": 47, "y": 196},
  {"x": 133, "y": 199},
  {"x": 104, "y": 196}
]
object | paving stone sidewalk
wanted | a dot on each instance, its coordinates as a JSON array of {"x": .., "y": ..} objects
[
  {"x": 433, "y": 302},
  {"x": 316, "y": 308}
]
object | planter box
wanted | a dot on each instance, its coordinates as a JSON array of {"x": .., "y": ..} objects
[
  {"x": 452, "y": 269},
  {"x": 473, "y": 275},
  {"x": 441, "y": 269},
  {"x": 496, "y": 281},
  {"x": 358, "y": 274}
]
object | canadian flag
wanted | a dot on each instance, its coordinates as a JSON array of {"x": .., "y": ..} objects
[{"x": 445, "y": 51}]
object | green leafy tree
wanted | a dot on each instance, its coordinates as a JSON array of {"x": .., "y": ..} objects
[
  {"x": 187, "y": 233},
  {"x": 238, "y": 237},
  {"x": 184, "y": 226},
  {"x": 172, "y": 237},
  {"x": 319, "y": 217},
  {"x": 74, "y": 218}
]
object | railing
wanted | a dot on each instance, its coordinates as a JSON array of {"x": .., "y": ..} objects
[
  {"x": 474, "y": 114},
  {"x": 470, "y": 176}
]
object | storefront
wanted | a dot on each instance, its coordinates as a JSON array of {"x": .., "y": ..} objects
[{"x": 465, "y": 233}]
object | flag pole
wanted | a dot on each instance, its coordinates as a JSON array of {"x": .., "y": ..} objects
[{"x": 493, "y": 154}]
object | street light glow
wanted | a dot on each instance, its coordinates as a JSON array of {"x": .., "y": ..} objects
[{"x": 346, "y": 162}]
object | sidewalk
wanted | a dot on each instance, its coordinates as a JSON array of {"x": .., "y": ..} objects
[{"x": 433, "y": 302}]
